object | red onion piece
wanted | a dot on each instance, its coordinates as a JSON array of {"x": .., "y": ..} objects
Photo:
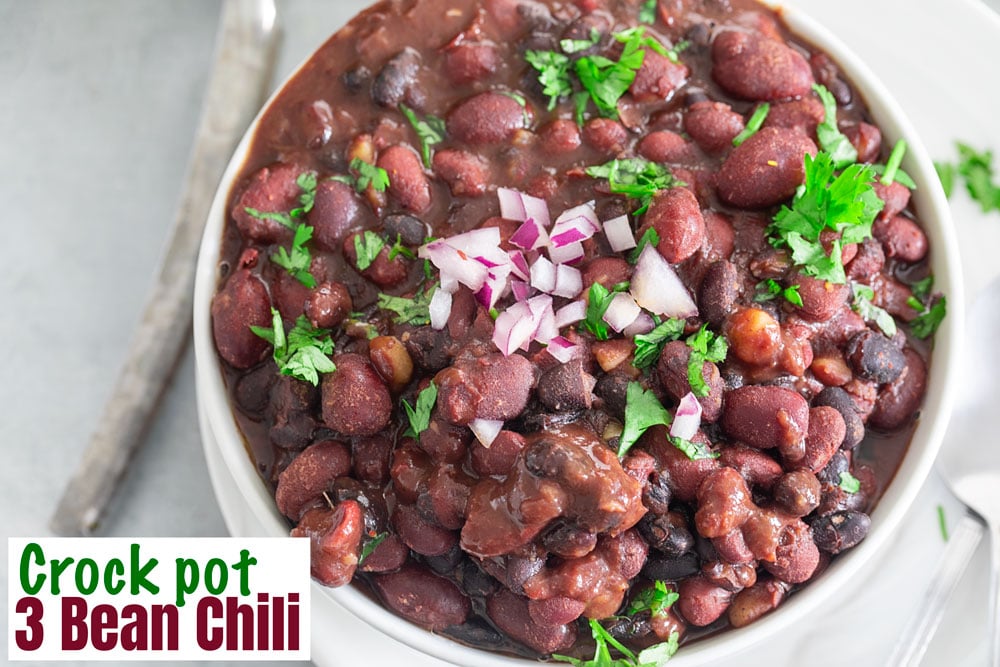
[
  {"x": 439, "y": 308},
  {"x": 486, "y": 430},
  {"x": 583, "y": 211},
  {"x": 519, "y": 265},
  {"x": 622, "y": 311},
  {"x": 569, "y": 281},
  {"x": 562, "y": 350},
  {"x": 567, "y": 254},
  {"x": 642, "y": 325},
  {"x": 572, "y": 313},
  {"x": 657, "y": 288},
  {"x": 530, "y": 235},
  {"x": 518, "y": 206},
  {"x": 513, "y": 328},
  {"x": 687, "y": 419},
  {"x": 521, "y": 290},
  {"x": 619, "y": 233},
  {"x": 455, "y": 264},
  {"x": 543, "y": 275}
]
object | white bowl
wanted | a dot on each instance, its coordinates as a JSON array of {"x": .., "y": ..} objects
[{"x": 257, "y": 515}]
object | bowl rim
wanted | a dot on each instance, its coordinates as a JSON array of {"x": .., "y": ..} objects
[{"x": 892, "y": 507}]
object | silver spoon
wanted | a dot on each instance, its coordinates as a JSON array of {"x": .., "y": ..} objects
[{"x": 970, "y": 464}]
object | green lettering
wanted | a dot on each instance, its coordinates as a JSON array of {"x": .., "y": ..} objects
[
  {"x": 114, "y": 567},
  {"x": 32, "y": 550},
  {"x": 219, "y": 584},
  {"x": 58, "y": 567},
  {"x": 82, "y": 568},
  {"x": 187, "y": 578},
  {"x": 243, "y": 567},
  {"x": 140, "y": 575}
]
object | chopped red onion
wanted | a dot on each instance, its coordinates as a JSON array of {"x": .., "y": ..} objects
[
  {"x": 514, "y": 328},
  {"x": 455, "y": 264},
  {"x": 585, "y": 212},
  {"x": 519, "y": 265},
  {"x": 537, "y": 209},
  {"x": 439, "y": 308},
  {"x": 575, "y": 225},
  {"x": 563, "y": 350},
  {"x": 572, "y": 313},
  {"x": 543, "y": 275},
  {"x": 530, "y": 235},
  {"x": 657, "y": 288},
  {"x": 486, "y": 430},
  {"x": 622, "y": 311},
  {"x": 518, "y": 206},
  {"x": 567, "y": 254},
  {"x": 687, "y": 419},
  {"x": 521, "y": 290},
  {"x": 569, "y": 281},
  {"x": 642, "y": 325},
  {"x": 619, "y": 233}
]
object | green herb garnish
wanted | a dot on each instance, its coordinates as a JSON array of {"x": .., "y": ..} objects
[
  {"x": 693, "y": 450},
  {"x": 307, "y": 182},
  {"x": 656, "y": 600},
  {"x": 635, "y": 178},
  {"x": 370, "y": 544},
  {"x": 654, "y": 656},
  {"x": 891, "y": 171},
  {"x": 754, "y": 124},
  {"x": 925, "y": 324},
  {"x": 369, "y": 175},
  {"x": 647, "y": 13},
  {"x": 605, "y": 80},
  {"x": 298, "y": 261},
  {"x": 946, "y": 174},
  {"x": 420, "y": 416},
  {"x": 553, "y": 74},
  {"x": 399, "y": 249},
  {"x": 576, "y": 45},
  {"x": 770, "y": 289},
  {"x": 598, "y": 300},
  {"x": 415, "y": 311},
  {"x": 922, "y": 288},
  {"x": 303, "y": 353},
  {"x": 642, "y": 411},
  {"x": 649, "y": 237},
  {"x": 977, "y": 170},
  {"x": 648, "y": 346},
  {"x": 705, "y": 346},
  {"x": 430, "y": 131},
  {"x": 849, "y": 482},
  {"x": 846, "y": 204},
  {"x": 831, "y": 139},
  {"x": 367, "y": 245},
  {"x": 942, "y": 523},
  {"x": 861, "y": 303}
]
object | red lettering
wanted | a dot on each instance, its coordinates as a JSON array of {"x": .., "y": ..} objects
[
  {"x": 239, "y": 625},
  {"x": 293, "y": 621},
  {"x": 262, "y": 618},
  {"x": 134, "y": 634},
  {"x": 209, "y": 639},
  {"x": 165, "y": 614},
  {"x": 278, "y": 631},
  {"x": 30, "y": 639},
  {"x": 103, "y": 623},
  {"x": 74, "y": 623}
]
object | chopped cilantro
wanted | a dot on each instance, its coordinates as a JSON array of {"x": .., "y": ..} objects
[
  {"x": 849, "y": 482},
  {"x": 431, "y": 131},
  {"x": 653, "y": 656},
  {"x": 891, "y": 171},
  {"x": 605, "y": 80},
  {"x": 414, "y": 311},
  {"x": 946, "y": 174},
  {"x": 649, "y": 237},
  {"x": 942, "y": 523},
  {"x": 649, "y": 345},
  {"x": 638, "y": 33},
  {"x": 925, "y": 324},
  {"x": 420, "y": 417},
  {"x": 977, "y": 170},
  {"x": 576, "y": 45},
  {"x": 369, "y": 175},
  {"x": 642, "y": 411},
  {"x": 370, "y": 544},
  {"x": 922, "y": 288},
  {"x": 753, "y": 125},
  {"x": 705, "y": 346},
  {"x": 399, "y": 249},
  {"x": 307, "y": 182},
  {"x": 695, "y": 451},
  {"x": 647, "y": 13},
  {"x": 553, "y": 74},
  {"x": 862, "y": 296},
  {"x": 279, "y": 216},
  {"x": 771, "y": 288},
  {"x": 598, "y": 300},
  {"x": 831, "y": 139},
  {"x": 303, "y": 353},
  {"x": 846, "y": 204},
  {"x": 657, "y": 600},
  {"x": 635, "y": 178},
  {"x": 367, "y": 245},
  {"x": 298, "y": 261}
]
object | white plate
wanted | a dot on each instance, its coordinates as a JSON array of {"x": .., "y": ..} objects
[{"x": 937, "y": 58}]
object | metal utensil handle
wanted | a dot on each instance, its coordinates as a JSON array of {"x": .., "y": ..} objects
[
  {"x": 237, "y": 85},
  {"x": 923, "y": 623},
  {"x": 994, "y": 530}
]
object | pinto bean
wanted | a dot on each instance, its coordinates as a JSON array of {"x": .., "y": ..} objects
[
  {"x": 675, "y": 215},
  {"x": 408, "y": 183},
  {"x": 724, "y": 503},
  {"x": 485, "y": 119},
  {"x": 839, "y": 531},
  {"x": 797, "y": 555},
  {"x": 901, "y": 238},
  {"x": 658, "y": 78},
  {"x": 712, "y": 125},
  {"x": 355, "y": 400},
  {"x": 328, "y": 305},
  {"x": 310, "y": 474},
  {"x": 899, "y": 402},
  {"x": 466, "y": 174},
  {"x": 755, "y": 67},
  {"x": 754, "y": 336},
  {"x": 701, "y": 602},
  {"x": 826, "y": 433},
  {"x": 720, "y": 287},
  {"x": 337, "y": 209},
  {"x": 605, "y": 135},
  {"x": 766, "y": 416},
  {"x": 511, "y": 613},
  {"x": 756, "y": 601},
  {"x": 765, "y": 169},
  {"x": 471, "y": 61},
  {"x": 397, "y": 80},
  {"x": 672, "y": 368},
  {"x": 820, "y": 299},
  {"x": 242, "y": 303},
  {"x": 422, "y": 597},
  {"x": 391, "y": 360},
  {"x": 334, "y": 541},
  {"x": 273, "y": 189}
]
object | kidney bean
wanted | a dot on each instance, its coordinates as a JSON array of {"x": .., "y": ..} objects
[
  {"x": 397, "y": 80},
  {"x": 665, "y": 146},
  {"x": 422, "y": 597},
  {"x": 605, "y": 135},
  {"x": 898, "y": 403},
  {"x": 825, "y": 436},
  {"x": 683, "y": 475},
  {"x": 608, "y": 271},
  {"x": 754, "y": 336},
  {"x": 866, "y": 139},
  {"x": 273, "y": 189},
  {"x": 466, "y": 174},
  {"x": 328, "y": 304},
  {"x": 875, "y": 357},
  {"x": 724, "y": 503},
  {"x": 701, "y": 602},
  {"x": 820, "y": 299},
  {"x": 839, "y": 531},
  {"x": 720, "y": 238},
  {"x": 471, "y": 61},
  {"x": 837, "y": 398},
  {"x": 755, "y": 67},
  {"x": 675, "y": 215},
  {"x": 712, "y": 125},
  {"x": 555, "y": 611},
  {"x": 757, "y": 467},
  {"x": 733, "y": 577},
  {"x": 253, "y": 388},
  {"x": 334, "y": 541},
  {"x": 287, "y": 293},
  {"x": 355, "y": 400},
  {"x": 720, "y": 287},
  {"x": 767, "y": 416},
  {"x": 382, "y": 271},
  {"x": 765, "y": 169},
  {"x": 487, "y": 118},
  {"x": 490, "y": 387},
  {"x": 420, "y": 535},
  {"x": 802, "y": 114},
  {"x": 337, "y": 209},
  {"x": 901, "y": 238},
  {"x": 408, "y": 183},
  {"x": 499, "y": 457},
  {"x": 446, "y": 443},
  {"x": 658, "y": 78},
  {"x": 559, "y": 137},
  {"x": 797, "y": 493},
  {"x": 868, "y": 262},
  {"x": 732, "y": 548},
  {"x": 756, "y": 601},
  {"x": 448, "y": 495},
  {"x": 566, "y": 387},
  {"x": 511, "y": 613},
  {"x": 672, "y": 367},
  {"x": 895, "y": 196},
  {"x": 310, "y": 474},
  {"x": 388, "y": 555},
  {"x": 242, "y": 303},
  {"x": 371, "y": 456}
]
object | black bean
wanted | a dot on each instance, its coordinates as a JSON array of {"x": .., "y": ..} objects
[
  {"x": 355, "y": 79},
  {"x": 394, "y": 82},
  {"x": 612, "y": 388},
  {"x": 840, "y": 531},
  {"x": 875, "y": 357},
  {"x": 837, "y": 398},
  {"x": 667, "y": 535},
  {"x": 656, "y": 495},
  {"x": 410, "y": 230},
  {"x": 566, "y": 387},
  {"x": 520, "y": 569},
  {"x": 446, "y": 562},
  {"x": 831, "y": 473},
  {"x": 671, "y": 569},
  {"x": 624, "y": 628},
  {"x": 479, "y": 634}
]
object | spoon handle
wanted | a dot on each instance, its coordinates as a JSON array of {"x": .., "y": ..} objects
[
  {"x": 926, "y": 617},
  {"x": 994, "y": 530}
]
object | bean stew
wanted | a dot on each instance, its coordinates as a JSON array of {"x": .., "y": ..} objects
[{"x": 554, "y": 323}]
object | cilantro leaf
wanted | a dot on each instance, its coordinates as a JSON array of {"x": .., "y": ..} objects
[
  {"x": 420, "y": 416},
  {"x": 367, "y": 246},
  {"x": 658, "y": 654},
  {"x": 771, "y": 288},
  {"x": 637, "y": 34},
  {"x": 925, "y": 324},
  {"x": 754, "y": 124},
  {"x": 849, "y": 482},
  {"x": 553, "y": 74},
  {"x": 307, "y": 182},
  {"x": 647, "y": 13},
  {"x": 862, "y": 296},
  {"x": 607, "y": 80},
  {"x": 649, "y": 237},
  {"x": 845, "y": 203},
  {"x": 635, "y": 178},
  {"x": 415, "y": 311},
  {"x": 653, "y": 656},
  {"x": 598, "y": 300},
  {"x": 576, "y": 45},
  {"x": 922, "y": 288},
  {"x": 369, "y": 175},
  {"x": 279, "y": 217},
  {"x": 398, "y": 248},
  {"x": 298, "y": 261},
  {"x": 695, "y": 451},
  {"x": 891, "y": 171},
  {"x": 303, "y": 353},
  {"x": 946, "y": 174},
  {"x": 657, "y": 600},
  {"x": 705, "y": 346},
  {"x": 642, "y": 411},
  {"x": 649, "y": 345},
  {"x": 831, "y": 139},
  {"x": 942, "y": 523},
  {"x": 370, "y": 544},
  {"x": 431, "y": 131},
  {"x": 977, "y": 170}
]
